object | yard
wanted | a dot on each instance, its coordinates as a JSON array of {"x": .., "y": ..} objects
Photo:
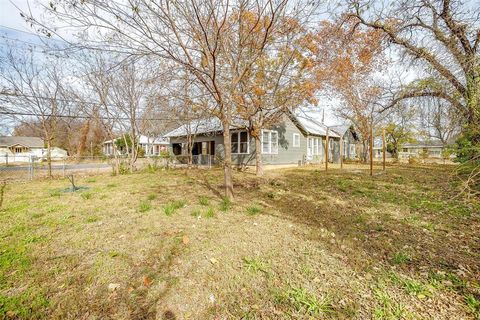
[{"x": 297, "y": 244}]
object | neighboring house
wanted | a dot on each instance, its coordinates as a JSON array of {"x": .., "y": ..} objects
[
  {"x": 294, "y": 139},
  {"x": 378, "y": 150},
  {"x": 378, "y": 153},
  {"x": 23, "y": 149},
  {"x": 151, "y": 146},
  {"x": 20, "y": 149},
  {"x": 422, "y": 149}
]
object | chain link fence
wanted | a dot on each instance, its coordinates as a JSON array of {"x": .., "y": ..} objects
[{"x": 29, "y": 167}]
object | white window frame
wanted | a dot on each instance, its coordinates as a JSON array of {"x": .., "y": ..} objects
[
  {"x": 270, "y": 151},
  {"x": 352, "y": 149},
  {"x": 316, "y": 150},
  {"x": 238, "y": 142},
  {"x": 296, "y": 145}
]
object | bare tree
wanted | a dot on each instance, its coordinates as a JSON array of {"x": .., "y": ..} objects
[
  {"x": 440, "y": 120},
  {"x": 200, "y": 35},
  {"x": 34, "y": 90},
  {"x": 443, "y": 36}
]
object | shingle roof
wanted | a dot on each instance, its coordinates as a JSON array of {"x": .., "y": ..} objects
[
  {"x": 201, "y": 126},
  {"x": 306, "y": 123},
  {"x": 312, "y": 126},
  {"x": 341, "y": 129},
  {"x": 32, "y": 142}
]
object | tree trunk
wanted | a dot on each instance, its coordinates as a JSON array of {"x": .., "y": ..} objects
[
  {"x": 189, "y": 151},
  {"x": 258, "y": 156},
  {"x": 227, "y": 163},
  {"x": 83, "y": 139},
  {"x": 49, "y": 158}
]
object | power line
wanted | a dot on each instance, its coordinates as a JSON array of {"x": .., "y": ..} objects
[
  {"x": 79, "y": 116},
  {"x": 31, "y": 33},
  {"x": 18, "y": 95}
]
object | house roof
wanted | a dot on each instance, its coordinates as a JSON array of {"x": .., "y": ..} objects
[
  {"x": 313, "y": 127},
  {"x": 153, "y": 140},
  {"x": 341, "y": 129},
  {"x": 424, "y": 144},
  {"x": 147, "y": 140},
  {"x": 201, "y": 126},
  {"x": 31, "y": 142},
  {"x": 306, "y": 123}
]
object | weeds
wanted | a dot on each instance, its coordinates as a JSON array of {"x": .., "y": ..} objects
[
  {"x": 151, "y": 197},
  {"x": 412, "y": 286},
  {"x": 86, "y": 195},
  {"x": 305, "y": 302},
  {"x": 92, "y": 219},
  {"x": 203, "y": 200},
  {"x": 144, "y": 206},
  {"x": 387, "y": 308},
  {"x": 474, "y": 305},
  {"x": 255, "y": 265},
  {"x": 171, "y": 207},
  {"x": 210, "y": 213},
  {"x": 196, "y": 213},
  {"x": 55, "y": 193},
  {"x": 253, "y": 210},
  {"x": 225, "y": 205},
  {"x": 401, "y": 258}
]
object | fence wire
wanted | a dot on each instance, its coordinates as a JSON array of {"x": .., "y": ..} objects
[{"x": 27, "y": 167}]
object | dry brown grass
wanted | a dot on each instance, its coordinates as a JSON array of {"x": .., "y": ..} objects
[{"x": 336, "y": 245}]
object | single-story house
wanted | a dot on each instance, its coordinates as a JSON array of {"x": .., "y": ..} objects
[
  {"x": 294, "y": 139},
  {"x": 24, "y": 149},
  {"x": 378, "y": 152},
  {"x": 152, "y": 146},
  {"x": 20, "y": 149},
  {"x": 422, "y": 149}
]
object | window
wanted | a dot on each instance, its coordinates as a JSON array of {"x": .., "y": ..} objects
[
  {"x": 240, "y": 142},
  {"x": 269, "y": 142},
  {"x": 296, "y": 140},
  {"x": 313, "y": 146},
  {"x": 352, "y": 149}
]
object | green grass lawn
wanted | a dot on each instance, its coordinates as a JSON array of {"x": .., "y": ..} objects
[{"x": 296, "y": 244}]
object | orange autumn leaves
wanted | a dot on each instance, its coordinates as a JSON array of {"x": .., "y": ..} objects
[{"x": 347, "y": 55}]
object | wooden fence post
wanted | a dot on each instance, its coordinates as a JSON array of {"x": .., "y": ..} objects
[
  {"x": 341, "y": 152},
  {"x": 384, "y": 147},
  {"x": 371, "y": 150},
  {"x": 326, "y": 151}
]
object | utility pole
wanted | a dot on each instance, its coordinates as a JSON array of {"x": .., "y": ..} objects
[
  {"x": 371, "y": 149},
  {"x": 326, "y": 151},
  {"x": 384, "y": 147}
]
